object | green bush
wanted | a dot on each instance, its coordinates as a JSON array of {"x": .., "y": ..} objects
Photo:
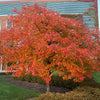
[
  {"x": 37, "y": 79},
  {"x": 27, "y": 78},
  {"x": 31, "y": 78},
  {"x": 55, "y": 81},
  {"x": 19, "y": 78},
  {"x": 90, "y": 82},
  {"x": 81, "y": 93},
  {"x": 58, "y": 81}
]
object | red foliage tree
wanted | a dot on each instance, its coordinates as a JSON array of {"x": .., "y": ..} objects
[{"x": 41, "y": 40}]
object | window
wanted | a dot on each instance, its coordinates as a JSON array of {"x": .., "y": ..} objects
[{"x": 9, "y": 24}]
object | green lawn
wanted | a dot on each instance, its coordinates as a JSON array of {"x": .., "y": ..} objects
[
  {"x": 96, "y": 77},
  {"x": 11, "y": 92}
]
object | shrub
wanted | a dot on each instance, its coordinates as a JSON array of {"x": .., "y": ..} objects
[
  {"x": 37, "y": 79},
  {"x": 90, "y": 82},
  {"x": 81, "y": 93},
  {"x": 31, "y": 78},
  {"x": 89, "y": 92},
  {"x": 55, "y": 81},
  {"x": 19, "y": 78},
  {"x": 51, "y": 96},
  {"x": 58, "y": 81}
]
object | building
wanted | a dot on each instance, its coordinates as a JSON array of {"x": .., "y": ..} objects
[
  {"x": 78, "y": 9},
  {"x": 68, "y": 7}
]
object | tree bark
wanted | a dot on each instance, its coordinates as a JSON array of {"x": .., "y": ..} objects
[
  {"x": 1, "y": 65},
  {"x": 48, "y": 87}
]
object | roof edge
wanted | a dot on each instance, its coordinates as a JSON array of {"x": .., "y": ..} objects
[{"x": 21, "y": 1}]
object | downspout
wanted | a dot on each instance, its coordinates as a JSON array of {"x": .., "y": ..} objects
[
  {"x": 97, "y": 17},
  {"x": 98, "y": 8}
]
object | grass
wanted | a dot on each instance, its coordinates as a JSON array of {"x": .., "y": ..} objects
[
  {"x": 96, "y": 77},
  {"x": 9, "y": 91}
]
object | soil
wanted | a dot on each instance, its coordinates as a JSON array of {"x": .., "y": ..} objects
[{"x": 35, "y": 86}]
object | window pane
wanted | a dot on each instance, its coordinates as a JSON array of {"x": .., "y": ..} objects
[{"x": 9, "y": 24}]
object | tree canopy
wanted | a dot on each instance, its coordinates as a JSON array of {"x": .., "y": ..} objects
[{"x": 42, "y": 41}]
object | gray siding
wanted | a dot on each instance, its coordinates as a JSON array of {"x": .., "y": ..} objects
[{"x": 61, "y": 7}]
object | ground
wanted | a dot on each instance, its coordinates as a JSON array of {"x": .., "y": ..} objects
[{"x": 34, "y": 86}]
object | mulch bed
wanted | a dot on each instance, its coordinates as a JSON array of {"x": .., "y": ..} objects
[
  {"x": 35, "y": 86},
  {"x": 3, "y": 73}
]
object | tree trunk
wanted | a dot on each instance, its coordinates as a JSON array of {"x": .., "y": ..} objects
[
  {"x": 1, "y": 65},
  {"x": 48, "y": 87}
]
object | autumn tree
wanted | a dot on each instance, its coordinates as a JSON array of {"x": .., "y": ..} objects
[{"x": 42, "y": 41}]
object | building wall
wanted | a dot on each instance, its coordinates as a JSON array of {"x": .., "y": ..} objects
[
  {"x": 61, "y": 6},
  {"x": 3, "y": 22}
]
